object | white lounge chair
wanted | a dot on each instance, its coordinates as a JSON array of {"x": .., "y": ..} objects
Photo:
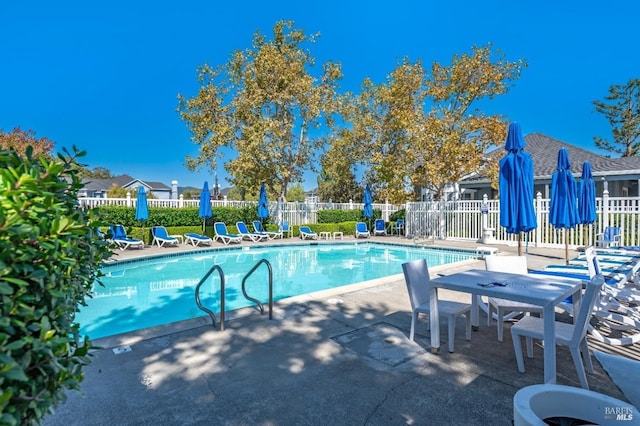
[
  {"x": 119, "y": 238},
  {"x": 416, "y": 275},
  {"x": 307, "y": 233},
  {"x": 361, "y": 230},
  {"x": 618, "y": 321},
  {"x": 571, "y": 335},
  {"x": 259, "y": 229},
  {"x": 197, "y": 239},
  {"x": 244, "y": 233},
  {"x": 162, "y": 237},
  {"x": 379, "y": 228},
  {"x": 221, "y": 234}
]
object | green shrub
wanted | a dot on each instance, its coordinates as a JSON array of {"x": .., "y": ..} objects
[
  {"x": 172, "y": 217},
  {"x": 339, "y": 216},
  {"x": 49, "y": 259},
  {"x": 400, "y": 214}
]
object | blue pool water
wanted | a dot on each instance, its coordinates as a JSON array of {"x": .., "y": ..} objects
[{"x": 156, "y": 291}]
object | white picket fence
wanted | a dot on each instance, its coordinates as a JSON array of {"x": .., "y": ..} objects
[
  {"x": 466, "y": 220},
  {"x": 296, "y": 213}
]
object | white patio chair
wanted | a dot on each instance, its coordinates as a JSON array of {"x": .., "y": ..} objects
[
  {"x": 514, "y": 265},
  {"x": 416, "y": 275},
  {"x": 571, "y": 335}
]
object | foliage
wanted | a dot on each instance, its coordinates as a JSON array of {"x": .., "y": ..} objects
[
  {"x": 337, "y": 180},
  {"x": 49, "y": 260},
  {"x": 96, "y": 173},
  {"x": 622, "y": 109},
  {"x": 191, "y": 194},
  {"x": 266, "y": 105},
  {"x": 296, "y": 193},
  {"x": 170, "y": 217},
  {"x": 337, "y": 216},
  {"x": 116, "y": 191},
  {"x": 19, "y": 140},
  {"x": 240, "y": 194},
  {"x": 425, "y": 130},
  {"x": 400, "y": 214}
]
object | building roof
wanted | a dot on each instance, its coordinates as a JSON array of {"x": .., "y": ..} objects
[
  {"x": 544, "y": 153},
  {"x": 123, "y": 181}
]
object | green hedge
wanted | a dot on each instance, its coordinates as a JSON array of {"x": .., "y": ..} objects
[
  {"x": 339, "y": 216},
  {"x": 171, "y": 217},
  {"x": 181, "y": 221}
]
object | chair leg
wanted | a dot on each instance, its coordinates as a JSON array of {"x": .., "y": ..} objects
[
  {"x": 517, "y": 347},
  {"x": 467, "y": 318},
  {"x": 500, "y": 322},
  {"x": 414, "y": 318},
  {"x": 586, "y": 355},
  {"x": 490, "y": 313},
  {"x": 452, "y": 331},
  {"x": 577, "y": 361},
  {"x": 529, "y": 341}
]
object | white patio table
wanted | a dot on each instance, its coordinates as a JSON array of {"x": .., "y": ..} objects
[{"x": 539, "y": 290}]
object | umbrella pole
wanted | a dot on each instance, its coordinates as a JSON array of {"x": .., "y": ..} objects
[
  {"x": 519, "y": 243},
  {"x": 566, "y": 245}
]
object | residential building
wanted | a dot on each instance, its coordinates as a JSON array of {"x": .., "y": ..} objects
[
  {"x": 98, "y": 188},
  {"x": 620, "y": 176}
]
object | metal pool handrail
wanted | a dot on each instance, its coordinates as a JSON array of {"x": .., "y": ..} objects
[
  {"x": 256, "y": 301},
  {"x": 207, "y": 310}
]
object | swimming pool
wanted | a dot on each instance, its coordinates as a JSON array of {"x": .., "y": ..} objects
[{"x": 155, "y": 291}]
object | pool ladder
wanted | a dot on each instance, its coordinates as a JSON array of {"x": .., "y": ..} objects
[{"x": 259, "y": 306}]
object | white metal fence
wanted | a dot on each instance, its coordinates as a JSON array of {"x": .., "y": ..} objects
[{"x": 469, "y": 220}]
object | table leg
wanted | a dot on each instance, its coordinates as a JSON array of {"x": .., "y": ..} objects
[
  {"x": 549, "y": 344},
  {"x": 475, "y": 316},
  {"x": 434, "y": 320}
]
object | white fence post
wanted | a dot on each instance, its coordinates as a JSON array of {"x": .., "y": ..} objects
[
  {"x": 128, "y": 199},
  {"x": 605, "y": 210},
  {"x": 539, "y": 228}
]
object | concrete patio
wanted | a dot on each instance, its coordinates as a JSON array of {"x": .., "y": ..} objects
[{"x": 338, "y": 357}]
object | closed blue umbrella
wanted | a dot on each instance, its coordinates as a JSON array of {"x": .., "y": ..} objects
[
  {"x": 517, "y": 214},
  {"x": 205, "y": 205},
  {"x": 563, "y": 209},
  {"x": 263, "y": 203},
  {"x": 142, "y": 210},
  {"x": 368, "y": 201},
  {"x": 587, "y": 196}
]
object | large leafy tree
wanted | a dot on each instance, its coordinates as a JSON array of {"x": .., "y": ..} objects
[
  {"x": 266, "y": 106},
  {"x": 19, "y": 140},
  {"x": 337, "y": 180},
  {"x": 621, "y": 107},
  {"x": 426, "y": 130}
]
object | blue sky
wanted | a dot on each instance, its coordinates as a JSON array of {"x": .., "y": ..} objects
[{"x": 105, "y": 76}]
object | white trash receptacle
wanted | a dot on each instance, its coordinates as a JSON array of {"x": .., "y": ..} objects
[
  {"x": 533, "y": 404},
  {"x": 488, "y": 235}
]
